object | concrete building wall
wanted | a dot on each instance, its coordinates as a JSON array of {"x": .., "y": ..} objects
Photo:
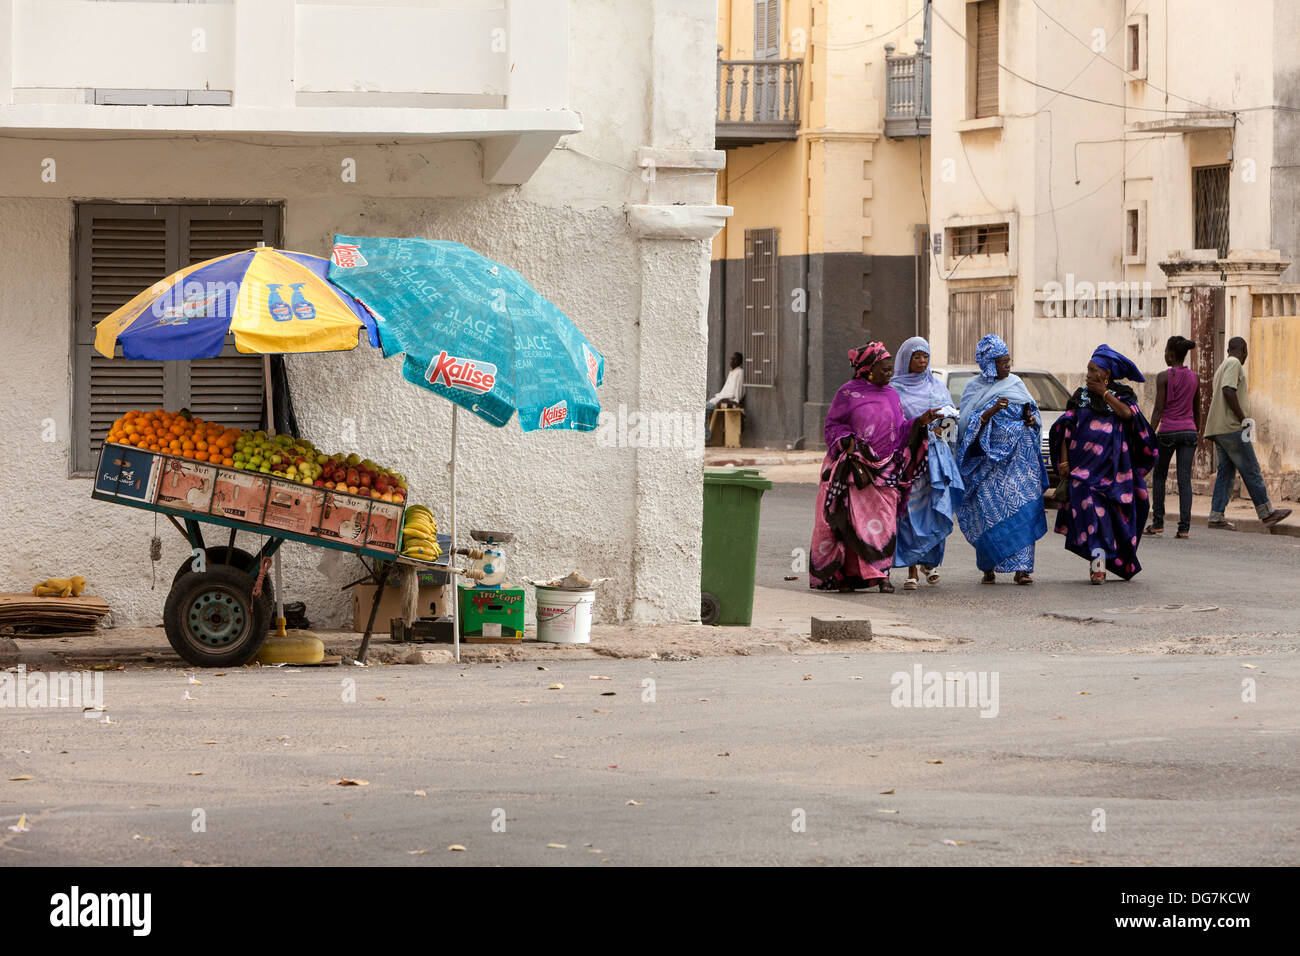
[
  {"x": 1066, "y": 164},
  {"x": 629, "y": 513},
  {"x": 844, "y": 200}
]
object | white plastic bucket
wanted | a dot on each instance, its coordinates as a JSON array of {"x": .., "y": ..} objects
[{"x": 564, "y": 617}]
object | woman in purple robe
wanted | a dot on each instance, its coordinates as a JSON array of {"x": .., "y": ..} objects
[
  {"x": 1105, "y": 445},
  {"x": 872, "y": 455}
]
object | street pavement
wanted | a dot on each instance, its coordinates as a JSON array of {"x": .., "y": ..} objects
[
  {"x": 1119, "y": 732},
  {"x": 1232, "y": 592},
  {"x": 1090, "y": 760}
]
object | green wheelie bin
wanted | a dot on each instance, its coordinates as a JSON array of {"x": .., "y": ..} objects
[{"x": 732, "y": 498}]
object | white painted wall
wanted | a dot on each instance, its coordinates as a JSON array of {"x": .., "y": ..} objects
[
  {"x": 1066, "y": 166},
  {"x": 632, "y": 514}
]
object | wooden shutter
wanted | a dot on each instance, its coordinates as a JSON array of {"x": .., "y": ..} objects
[
  {"x": 975, "y": 314},
  {"x": 767, "y": 29},
  {"x": 229, "y": 389},
  {"x": 120, "y": 249},
  {"x": 761, "y": 304},
  {"x": 986, "y": 62}
]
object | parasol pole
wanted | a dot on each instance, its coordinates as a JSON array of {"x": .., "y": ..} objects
[
  {"x": 451, "y": 547},
  {"x": 270, "y": 429}
]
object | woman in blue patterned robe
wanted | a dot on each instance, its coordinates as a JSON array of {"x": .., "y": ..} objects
[
  {"x": 1104, "y": 443},
  {"x": 998, "y": 452}
]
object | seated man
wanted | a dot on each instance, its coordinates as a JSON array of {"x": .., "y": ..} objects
[{"x": 729, "y": 396}]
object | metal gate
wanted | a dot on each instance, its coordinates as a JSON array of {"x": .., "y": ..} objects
[
  {"x": 975, "y": 314},
  {"x": 1210, "y": 192},
  {"x": 758, "y": 326}
]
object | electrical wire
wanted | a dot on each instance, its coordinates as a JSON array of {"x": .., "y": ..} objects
[
  {"x": 1052, "y": 89},
  {"x": 1097, "y": 56}
]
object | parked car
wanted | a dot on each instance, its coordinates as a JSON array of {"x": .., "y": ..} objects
[{"x": 1045, "y": 388}]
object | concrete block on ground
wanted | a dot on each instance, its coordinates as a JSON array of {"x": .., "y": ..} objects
[
  {"x": 8, "y": 650},
  {"x": 841, "y": 628}
]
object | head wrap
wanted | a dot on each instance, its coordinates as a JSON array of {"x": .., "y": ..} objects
[
  {"x": 989, "y": 348},
  {"x": 1119, "y": 366},
  {"x": 919, "y": 391},
  {"x": 865, "y": 358}
]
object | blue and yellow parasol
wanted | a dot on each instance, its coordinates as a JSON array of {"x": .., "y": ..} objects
[{"x": 272, "y": 301}]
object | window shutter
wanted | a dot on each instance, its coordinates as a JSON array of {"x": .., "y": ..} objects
[
  {"x": 120, "y": 250},
  {"x": 229, "y": 389},
  {"x": 767, "y": 29},
  {"x": 986, "y": 64}
]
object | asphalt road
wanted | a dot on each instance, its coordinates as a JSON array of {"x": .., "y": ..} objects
[
  {"x": 730, "y": 755},
  {"x": 1120, "y": 738},
  {"x": 1242, "y": 585}
]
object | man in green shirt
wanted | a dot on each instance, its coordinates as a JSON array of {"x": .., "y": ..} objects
[{"x": 1226, "y": 425}]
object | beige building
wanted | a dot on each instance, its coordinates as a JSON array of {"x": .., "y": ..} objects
[
  {"x": 823, "y": 113},
  {"x": 1119, "y": 171}
]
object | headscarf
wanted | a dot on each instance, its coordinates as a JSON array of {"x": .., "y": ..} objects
[
  {"x": 986, "y": 388},
  {"x": 865, "y": 358},
  {"x": 990, "y": 348},
  {"x": 870, "y": 413},
  {"x": 1119, "y": 366},
  {"x": 919, "y": 391}
]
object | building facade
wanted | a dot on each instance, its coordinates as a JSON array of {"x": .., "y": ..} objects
[
  {"x": 1120, "y": 171},
  {"x": 823, "y": 113},
  {"x": 138, "y": 138}
]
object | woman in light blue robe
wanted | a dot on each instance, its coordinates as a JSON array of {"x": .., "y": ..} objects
[
  {"x": 924, "y": 527},
  {"x": 999, "y": 456}
]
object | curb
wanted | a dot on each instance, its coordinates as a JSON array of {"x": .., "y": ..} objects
[{"x": 1246, "y": 525}]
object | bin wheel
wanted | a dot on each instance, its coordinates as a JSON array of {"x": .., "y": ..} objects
[
  {"x": 241, "y": 559},
  {"x": 212, "y": 619},
  {"x": 710, "y": 609}
]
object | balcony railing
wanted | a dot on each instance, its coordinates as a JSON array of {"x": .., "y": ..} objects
[
  {"x": 907, "y": 92},
  {"x": 758, "y": 101}
]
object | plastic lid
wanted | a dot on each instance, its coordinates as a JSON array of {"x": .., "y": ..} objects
[{"x": 749, "y": 477}]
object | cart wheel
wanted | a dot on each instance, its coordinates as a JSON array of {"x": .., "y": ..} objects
[
  {"x": 241, "y": 559},
  {"x": 710, "y": 609},
  {"x": 212, "y": 620}
]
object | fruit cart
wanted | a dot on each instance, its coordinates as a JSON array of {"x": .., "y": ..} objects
[{"x": 220, "y": 607}]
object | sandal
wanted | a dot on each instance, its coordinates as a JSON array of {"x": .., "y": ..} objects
[
  {"x": 1155, "y": 529},
  {"x": 1222, "y": 525},
  {"x": 932, "y": 575},
  {"x": 1097, "y": 574},
  {"x": 1183, "y": 534},
  {"x": 909, "y": 584},
  {"x": 886, "y": 587},
  {"x": 1024, "y": 577},
  {"x": 989, "y": 578}
]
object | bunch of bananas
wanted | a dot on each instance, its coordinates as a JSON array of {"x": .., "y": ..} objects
[{"x": 420, "y": 534}]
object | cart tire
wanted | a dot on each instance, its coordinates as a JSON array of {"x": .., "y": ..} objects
[
  {"x": 241, "y": 559},
  {"x": 710, "y": 609},
  {"x": 212, "y": 619}
]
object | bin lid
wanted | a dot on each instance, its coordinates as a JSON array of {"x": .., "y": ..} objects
[{"x": 746, "y": 477}]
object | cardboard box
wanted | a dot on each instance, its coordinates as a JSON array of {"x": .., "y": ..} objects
[
  {"x": 433, "y": 603},
  {"x": 492, "y": 613},
  {"x": 186, "y": 485},
  {"x": 240, "y": 495},
  {"x": 294, "y": 507},
  {"x": 128, "y": 472},
  {"x": 344, "y": 518},
  {"x": 385, "y": 526}
]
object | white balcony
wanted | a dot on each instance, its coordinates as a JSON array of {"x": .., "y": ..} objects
[{"x": 404, "y": 70}]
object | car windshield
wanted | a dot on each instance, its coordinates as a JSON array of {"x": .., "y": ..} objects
[{"x": 1049, "y": 394}]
